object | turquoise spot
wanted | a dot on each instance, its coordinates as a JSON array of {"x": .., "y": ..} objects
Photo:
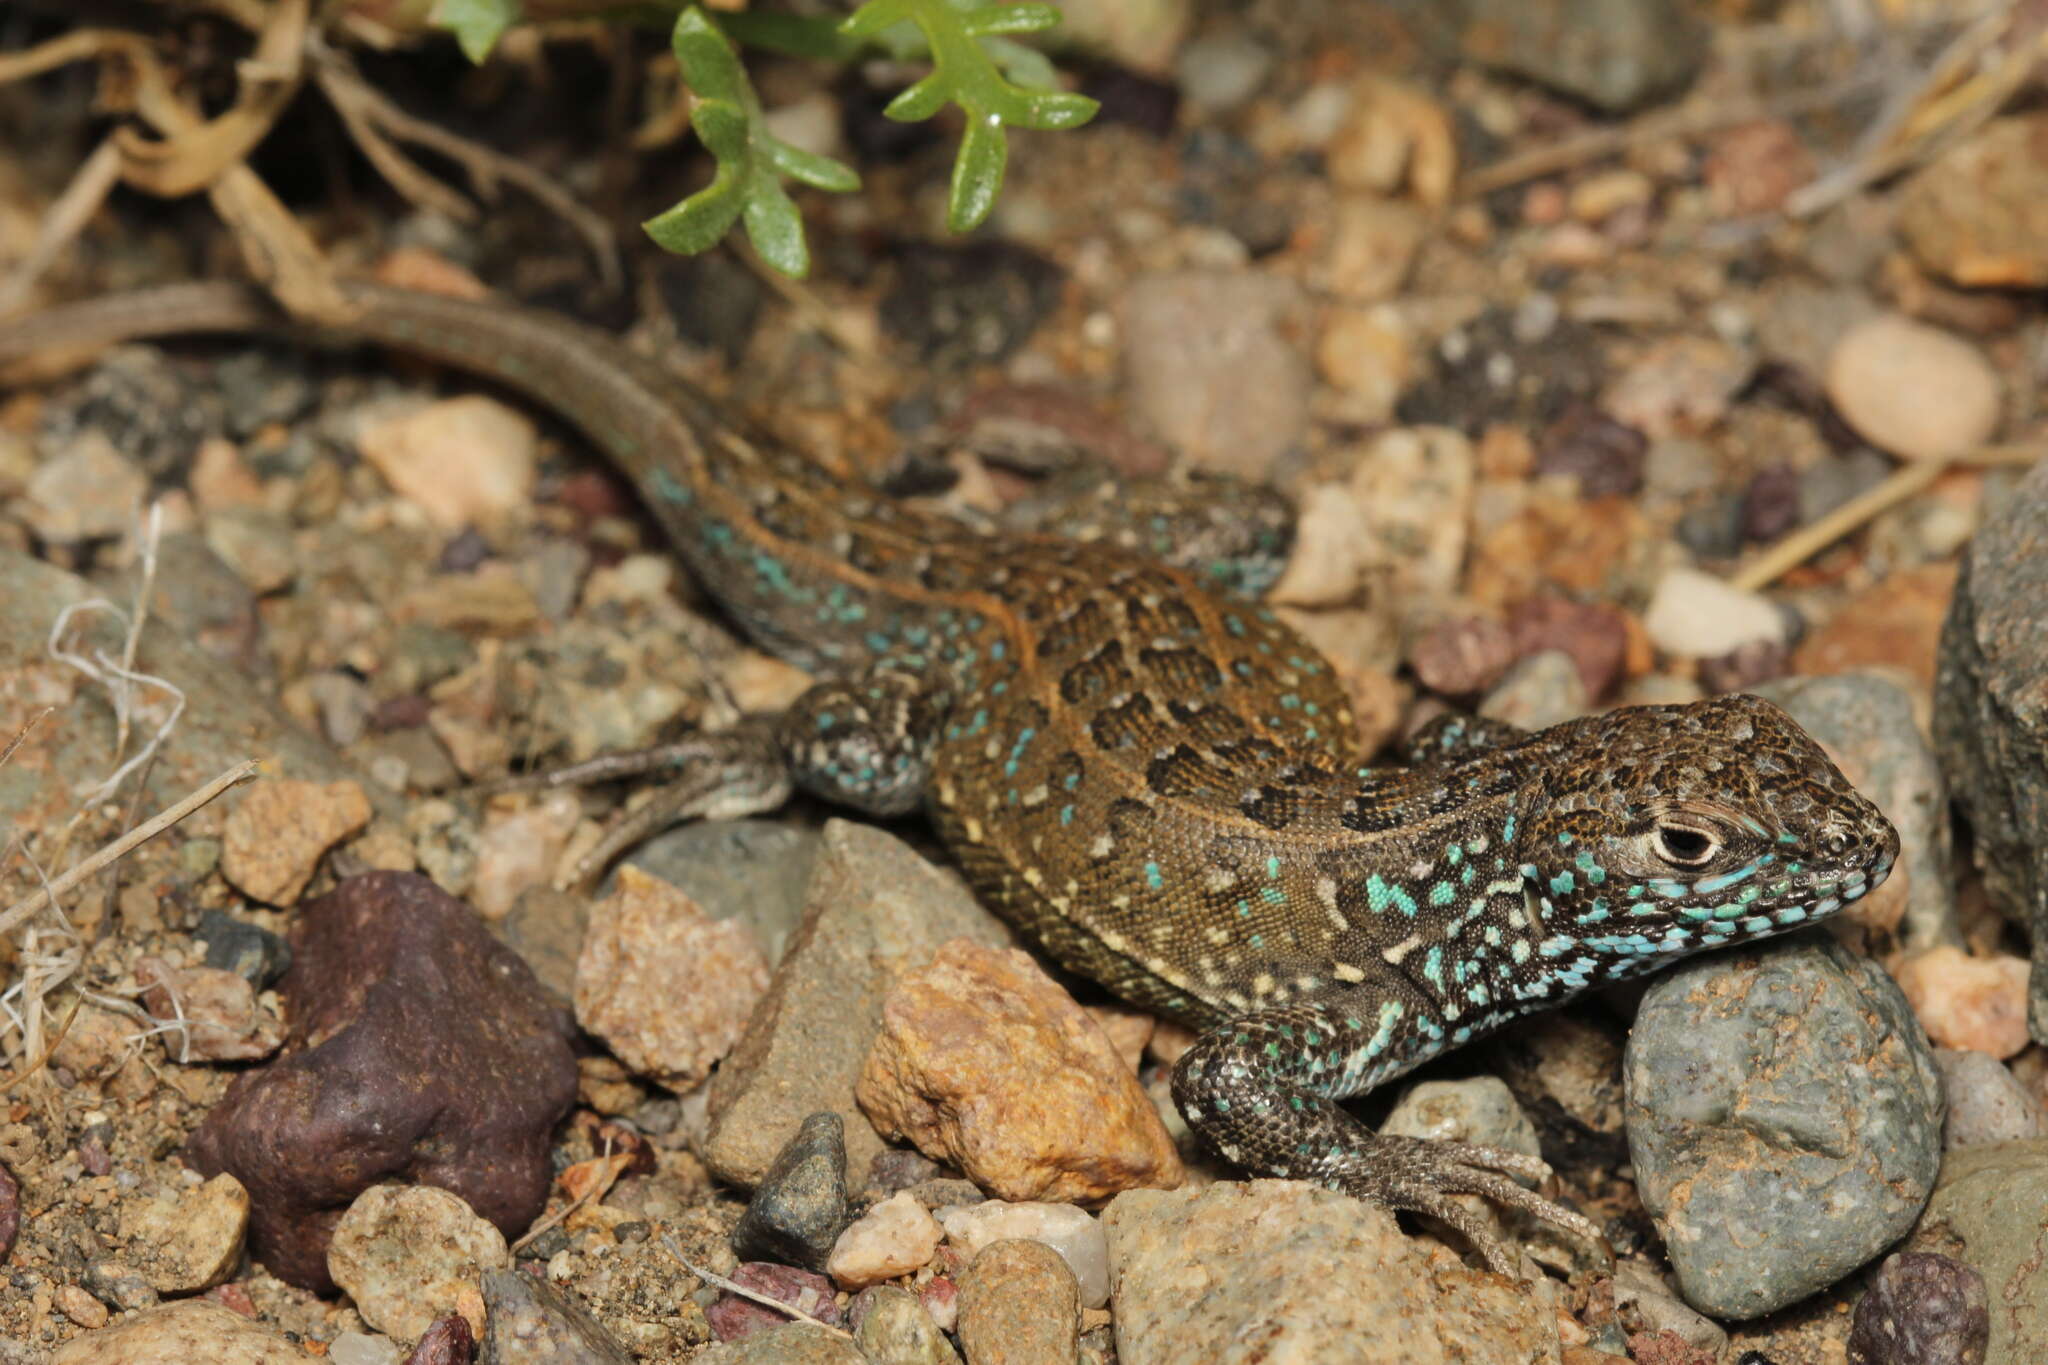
[
  {"x": 1152, "y": 877},
  {"x": 1066, "y": 815},
  {"x": 1272, "y": 895},
  {"x": 1455, "y": 854},
  {"x": 1382, "y": 895},
  {"x": 1273, "y": 866},
  {"x": 1562, "y": 883},
  {"x": 1440, "y": 894}
]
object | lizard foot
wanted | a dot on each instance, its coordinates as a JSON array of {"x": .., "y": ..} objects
[{"x": 1421, "y": 1175}]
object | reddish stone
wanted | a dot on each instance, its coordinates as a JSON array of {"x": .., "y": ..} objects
[
  {"x": 448, "y": 1342},
  {"x": 1595, "y": 637},
  {"x": 420, "y": 1049}
]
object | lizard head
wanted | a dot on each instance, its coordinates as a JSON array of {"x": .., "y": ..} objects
[{"x": 1668, "y": 829}]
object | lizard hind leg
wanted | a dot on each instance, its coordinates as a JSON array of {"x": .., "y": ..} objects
[
  {"x": 867, "y": 741},
  {"x": 1263, "y": 1090}
]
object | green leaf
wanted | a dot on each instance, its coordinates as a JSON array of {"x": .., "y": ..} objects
[
  {"x": 476, "y": 24},
  {"x": 747, "y": 186},
  {"x": 969, "y": 55}
]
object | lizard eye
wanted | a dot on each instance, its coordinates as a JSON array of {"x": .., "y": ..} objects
[{"x": 1686, "y": 846}]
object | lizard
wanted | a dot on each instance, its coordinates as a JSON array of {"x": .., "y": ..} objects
[{"x": 1159, "y": 783}]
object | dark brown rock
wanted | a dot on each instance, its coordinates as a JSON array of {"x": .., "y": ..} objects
[
  {"x": 1595, "y": 637},
  {"x": 1464, "y": 657},
  {"x": 448, "y": 1342},
  {"x": 420, "y": 1049}
]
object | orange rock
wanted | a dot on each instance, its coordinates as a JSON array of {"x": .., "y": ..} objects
[
  {"x": 1896, "y": 624},
  {"x": 985, "y": 1063},
  {"x": 1978, "y": 1003}
]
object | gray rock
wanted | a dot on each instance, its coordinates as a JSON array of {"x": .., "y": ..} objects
[
  {"x": 891, "y": 1327},
  {"x": 1921, "y": 1309},
  {"x": 1639, "y": 1287},
  {"x": 531, "y": 1322},
  {"x": 874, "y": 910},
  {"x": 799, "y": 1210},
  {"x": 1616, "y": 55},
  {"x": 1480, "y": 1110},
  {"x": 1986, "y": 1102},
  {"x": 1784, "y": 1118},
  {"x": 1867, "y": 723},
  {"x": 793, "y": 1343},
  {"x": 751, "y": 870},
  {"x": 1212, "y": 369},
  {"x": 1270, "y": 1270},
  {"x": 1991, "y": 715},
  {"x": 1986, "y": 1213},
  {"x": 1539, "y": 692},
  {"x": 247, "y": 950},
  {"x": 1220, "y": 71}
]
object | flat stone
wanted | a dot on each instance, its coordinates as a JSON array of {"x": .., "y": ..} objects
[
  {"x": 178, "y": 1334},
  {"x": 874, "y": 910},
  {"x": 420, "y": 1049},
  {"x": 1287, "y": 1271}
]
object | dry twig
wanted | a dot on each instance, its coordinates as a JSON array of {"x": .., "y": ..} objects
[{"x": 734, "y": 1287}]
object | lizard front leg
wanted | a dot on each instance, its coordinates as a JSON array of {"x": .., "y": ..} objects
[{"x": 1263, "y": 1090}]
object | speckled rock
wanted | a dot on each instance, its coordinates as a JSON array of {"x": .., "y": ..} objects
[
  {"x": 1018, "y": 1306},
  {"x": 420, "y": 1049},
  {"x": 532, "y": 1322},
  {"x": 1291, "y": 1272},
  {"x": 799, "y": 1209},
  {"x": 1991, "y": 714},
  {"x": 407, "y": 1254},
  {"x": 1921, "y": 1309},
  {"x": 985, "y": 1063},
  {"x": 1784, "y": 1118},
  {"x": 875, "y": 910},
  {"x": 178, "y": 1334},
  {"x": 1480, "y": 1110},
  {"x": 1867, "y": 725}
]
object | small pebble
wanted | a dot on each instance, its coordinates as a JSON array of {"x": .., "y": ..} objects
[
  {"x": 798, "y": 1211},
  {"x": 277, "y": 832},
  {"x": 1217, "y": 73},
  {"x": 1019, "y": 1302},
  {"x": 86, "y": 491},
  {"x": 462, "y": 460},
  {"x": 360, "y": 1348},
  {"x": 408, "y": 1253},
  {"x": 1696, "y": 615},
  {"x": 1986, "y": 1102},
  {"x": 1464, "y": 656},
  {"x": 891, "y": 1326},
  {"x": 1913, "y": 390},
  {"x": 895, "y": 1237},
  {"x": 1073, "y": 1232},
  {"x": 732, "y": 1317},
  {"x": 1601, "y": 453}
]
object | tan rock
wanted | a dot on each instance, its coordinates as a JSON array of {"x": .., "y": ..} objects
[
  {"x": 1979, "y": 213},
  {"x": 985, "y": 1063},
  {"x": 1914, "y": 390},
  {"x": 519, "y": 848},
  {"x": 189, "y": 1241},
  {"x": 463, "y": 460},
  {"x": 277, "y": 833},
  {"x": 221, "y": 478},
  {"x": 81, "y": 1307},
  {"x": 1395, "y": 138},
  {"x": 1019, "y": 1305},
  {"x": 1368, "y": 353},
  {"x": 895, "y": 1237},
  {"x": 89, "y": 489},
  {"x": 178, "y": 1334},
  {"x": 1896, "y": 623},
  {"x": 667, "y": 987},
  {"x": 406, "y": 1253},
  {"x": 222, "y": 1019},
  {"x": 1976, "y": 1003},
  {"x": 1372, "y": 247}
]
